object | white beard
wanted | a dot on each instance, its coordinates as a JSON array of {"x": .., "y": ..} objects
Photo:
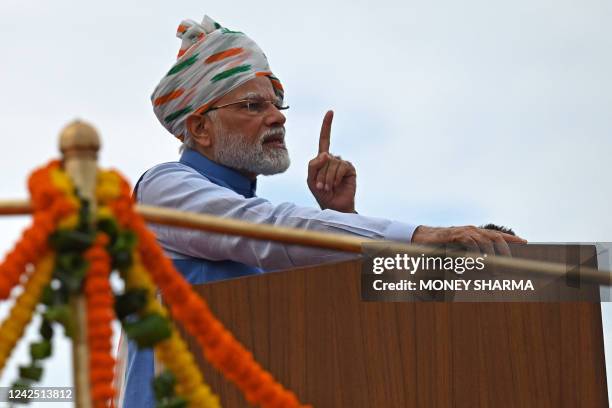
[{"x": 233, "y": 151}]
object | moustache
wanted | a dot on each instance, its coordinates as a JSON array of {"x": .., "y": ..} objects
[{"x": 273, "y": 135}]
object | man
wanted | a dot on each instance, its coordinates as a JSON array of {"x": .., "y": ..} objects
[{"x": 223, "y": 102}]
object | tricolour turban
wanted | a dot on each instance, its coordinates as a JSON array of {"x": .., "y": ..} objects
[{"x": 212, "y": 61}]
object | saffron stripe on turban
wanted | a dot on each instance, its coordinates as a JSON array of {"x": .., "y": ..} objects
[{"x": 211, "y": 62}]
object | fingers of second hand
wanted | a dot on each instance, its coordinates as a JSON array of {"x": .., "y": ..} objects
[
  {"x": 470, "y": 244},
  {"x": 512, "y": 238},
  {"x": 486, "y": 245},
  {"x": 314, "y": 165},
  {"x": 350, "y": 169},
  {"x": 499, "y": 241},
  {"x": 501, "y": 249},
  {"x": 331, "y": 174},
  {"x": 324, "y": 138},
  {"x": 465, "y": 240},
  {"x": 322, "y": 173},
  {"x": 343, "y": 169},
  {"x": 483, "y": 238},
  {"x": 501, "y": 246}
]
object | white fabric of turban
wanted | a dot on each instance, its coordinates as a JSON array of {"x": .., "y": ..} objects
[{"x": 212, "y": 61}]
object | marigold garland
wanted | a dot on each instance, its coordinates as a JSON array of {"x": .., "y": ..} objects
[
  {"x": 13, "y": 326},
  {"x": 173, "y": 352},
  {"x": 220, "y": 347},
  {"x": 100, "y": 315},
  {"x": 56, "y": 205},
  {"x": 218, "y": 344},
  {"x": 50, "y": 204}
]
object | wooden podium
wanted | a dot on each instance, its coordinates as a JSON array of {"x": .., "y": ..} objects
[{"x": 311, "y": 330}]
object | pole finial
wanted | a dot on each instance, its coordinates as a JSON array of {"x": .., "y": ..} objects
[{"x": 79, "y": 138}]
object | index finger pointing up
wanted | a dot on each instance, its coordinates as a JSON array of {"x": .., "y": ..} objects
[{"x": 326, "y": 132}]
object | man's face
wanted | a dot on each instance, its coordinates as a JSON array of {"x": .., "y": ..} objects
[{"x": 251, "y": 140}]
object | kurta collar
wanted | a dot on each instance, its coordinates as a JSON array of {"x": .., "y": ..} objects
[{"x": 219, "y": 174}]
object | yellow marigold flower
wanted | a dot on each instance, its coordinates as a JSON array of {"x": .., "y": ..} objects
[
  {"x": 69, "y": 222},
  {"x": 193, "y": 381},
  {"x": 11, "y": 335},
  {"x": 138, "y": 277},
  {"x": 183, "y": 360},
  {"x": 107, "y": 176},
  {"x": 173, "y": 353},
  {"x": 104, "y": 212},
  {"x": 108, "y": 186},
  {"x": 203, "y": 397},
  {"x": 13, "y": 327},
  {"x": 3, "y": 358},
  {"x": 156, "y": 308},
  {"x": 106, "y": 192},
  {"x": 28, "y": 299},
  {"x": 61, "y": 181},
  {"x": 21, "y": 313}
]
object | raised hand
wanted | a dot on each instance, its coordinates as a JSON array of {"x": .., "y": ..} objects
[{"x": 331, "y": 180}]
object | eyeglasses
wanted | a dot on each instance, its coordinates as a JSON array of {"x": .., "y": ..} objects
[{"x": 251, "y": 106}]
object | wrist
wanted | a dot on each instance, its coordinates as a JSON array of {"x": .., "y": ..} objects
[
  {"x": 422, "y": 234},
  {"x": 344, "y": 209}
]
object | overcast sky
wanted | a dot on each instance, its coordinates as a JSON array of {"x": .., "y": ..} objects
[{"x": 453, "y": 113}]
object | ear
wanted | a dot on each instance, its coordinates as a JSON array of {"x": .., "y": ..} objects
[{"x": 199, "y": 127}]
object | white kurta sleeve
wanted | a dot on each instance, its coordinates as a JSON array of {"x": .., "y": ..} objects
[{"x": 180, "y": 187}]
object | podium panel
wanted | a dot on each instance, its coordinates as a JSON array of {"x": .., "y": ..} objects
[{"x": 311, "y": 330}]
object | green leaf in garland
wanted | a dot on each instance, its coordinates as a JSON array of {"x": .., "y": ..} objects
[
  {"x": 175, "y": 402},
  {"x": 52, "y": 297},
  {"x": 32, "y": 372},
  {"x": 109, "y": 227},
  {"x": 149, "y": 330},
  {"x": 68, "y": 240},
  {"x": 63, "y": 315},
  {"x": 163, "y": 385},
  {"x": 121, "y": 250},
  {"x": 46, "y": 298},
  {"x": 132, "y": 301},
  {"x": 70, "y": 269},
  {"x": 46, "y": 329},
  {"x": 40, "y": 350},
  {"x": 121, "y": 259},
  {"x": 57, "y": 313}
]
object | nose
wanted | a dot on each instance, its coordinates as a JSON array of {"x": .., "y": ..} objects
[{"x": 275, "y": 117}]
